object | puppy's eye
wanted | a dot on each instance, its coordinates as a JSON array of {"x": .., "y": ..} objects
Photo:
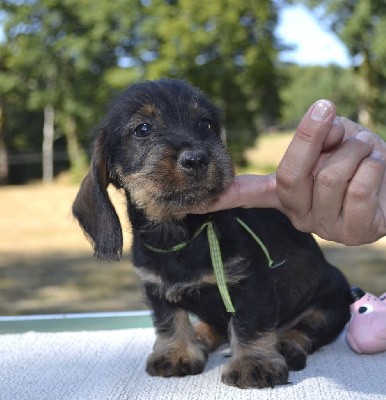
[
  {"x": 206, "y": 125},
  {"x": 143, "y": 130}
]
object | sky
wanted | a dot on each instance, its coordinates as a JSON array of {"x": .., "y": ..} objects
[{"x": 314, "y": 45}]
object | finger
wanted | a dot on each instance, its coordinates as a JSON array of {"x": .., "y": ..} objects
[
  {"x": 361, "y": 213},
  {"x": 365, "y": 136},
  {"x": 332, "y": 180},
  {"x": 246, "y": 191},
  {"x": 257, "y": 191},
  {"x": 294, "y": 175},
  {"x": 335, "y": 136},
  {"x": 333, "y": 140},
  {"x": 351, "y": 128}
]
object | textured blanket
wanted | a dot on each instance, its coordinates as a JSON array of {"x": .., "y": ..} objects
[{"x": 111, "y": 365}]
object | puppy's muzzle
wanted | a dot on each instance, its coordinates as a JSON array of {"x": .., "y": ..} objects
[{"x": 194, "y": 163}]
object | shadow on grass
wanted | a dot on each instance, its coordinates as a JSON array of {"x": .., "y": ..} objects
[
  {"x": 364, "y": 266},
  {"x": 63, "y": 283}
]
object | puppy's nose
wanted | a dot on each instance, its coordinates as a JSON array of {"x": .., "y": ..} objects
[{"x": 193, "y": 162}]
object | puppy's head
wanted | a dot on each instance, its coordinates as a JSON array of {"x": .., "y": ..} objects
[{"x": 160, "y": 141}]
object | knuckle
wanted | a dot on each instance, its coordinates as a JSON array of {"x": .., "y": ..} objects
[
  {"x": 307, "y": 134},
  {"x": 328, "y": 178},
  {"x": 359, "y": 191},
  {"x": 376, "y": 164},
  {"x": 286, "y": 179}
]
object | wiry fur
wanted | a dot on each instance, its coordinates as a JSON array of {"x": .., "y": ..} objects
[{"x": 175, "y": 161}]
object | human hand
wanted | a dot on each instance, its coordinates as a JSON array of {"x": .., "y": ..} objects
[
  {"x": 247, "y": 191},
  {"x": 331, "y": 180}
]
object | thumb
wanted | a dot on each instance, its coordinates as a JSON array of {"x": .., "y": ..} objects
[
  {"x": 294, "y": 174},
  {"x": 306, "y": 145}
]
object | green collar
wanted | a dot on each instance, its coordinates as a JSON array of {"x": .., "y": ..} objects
[{"x": 215, "y": 255}]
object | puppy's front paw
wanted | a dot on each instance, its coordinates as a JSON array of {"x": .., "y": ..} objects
[
  {"x": 176, "y": 363},
  {"x": 251, "y": 372}
]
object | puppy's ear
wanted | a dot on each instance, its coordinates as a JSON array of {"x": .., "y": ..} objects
[{"x": 95, "y": 212}]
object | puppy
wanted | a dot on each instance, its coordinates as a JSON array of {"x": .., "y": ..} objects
[{"x": 161, "y": 143}]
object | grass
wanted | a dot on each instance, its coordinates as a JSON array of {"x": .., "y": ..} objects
[
  {"x": 46, "y": 264},
  {"x": 265, "y": 156}
]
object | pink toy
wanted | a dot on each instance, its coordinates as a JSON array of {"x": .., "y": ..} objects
[{"x": 366, "y": 331}]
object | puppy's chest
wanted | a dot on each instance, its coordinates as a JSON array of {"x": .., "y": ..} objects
[{"x": 176, "y": 288}]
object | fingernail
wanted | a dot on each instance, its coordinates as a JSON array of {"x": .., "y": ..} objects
[
  {"x": 336, "y": 121},
  {"x": 364, "y": 136},
  {"x": 376, "y": 154},
  {"x": 321, "y": 110}
]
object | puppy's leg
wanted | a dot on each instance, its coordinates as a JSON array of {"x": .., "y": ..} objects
[
  {"x": 255, "y": 361},
  {"x": 316, "y": 327},
  {"x": 209, "y": 335},
  {"x": 295, "y": 343},
  {"x": 177, "y": 351}
]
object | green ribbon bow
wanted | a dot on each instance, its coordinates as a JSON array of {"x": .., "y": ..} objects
[{"x": 216, "y": 258}]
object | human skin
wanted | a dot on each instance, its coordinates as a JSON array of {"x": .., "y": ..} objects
[{"x": 331, "y": 180}]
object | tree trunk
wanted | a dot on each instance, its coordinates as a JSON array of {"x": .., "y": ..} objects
[
  {"x": 369, "y": 92},
  {"x": 4, "y": 169},
  {"x": 48, "y": 144},
  {"x": 76, "y": 154}
]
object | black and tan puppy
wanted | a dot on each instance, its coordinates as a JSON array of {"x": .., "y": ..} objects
[{"x": 161, "y": 143}]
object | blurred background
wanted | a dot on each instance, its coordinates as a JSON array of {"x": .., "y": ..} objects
[{"x": 263, "y": 62}]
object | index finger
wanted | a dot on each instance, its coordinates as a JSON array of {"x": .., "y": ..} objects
[
  {"x": 294, "y": 175},
  {"x": 247, "y": 191},
  {"x": 351, "y": 128}
]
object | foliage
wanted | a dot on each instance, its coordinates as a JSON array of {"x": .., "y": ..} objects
[
  {"x": 56, "y": 54},
  {"x": 308, "y": 84},
  {"x": 225, "y": 47},
  {"x": 72, "y": 55},
  {"x": 361, "y": 24}
]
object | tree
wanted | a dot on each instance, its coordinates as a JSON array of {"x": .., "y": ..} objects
[
  {"x": 9, "y": 96},
  {"x": 3, "y": 146},
  {"x": 225, "y": 47},
  {"x": 60, "y": 49},
  {"x": 361, "y": 24},
  {"x": 307, "y": 84},
  {"x": 68, "y": 56}
]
